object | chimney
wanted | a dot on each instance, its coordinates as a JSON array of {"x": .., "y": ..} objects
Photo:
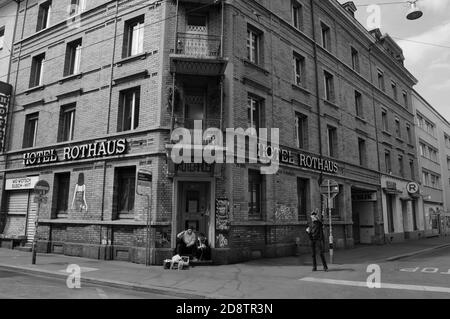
[{"x": 350, "y": 7}]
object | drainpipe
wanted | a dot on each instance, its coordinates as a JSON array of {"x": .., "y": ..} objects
[
  {"x": 14, "y": 36},
  {"x": 174, "y": 75}
]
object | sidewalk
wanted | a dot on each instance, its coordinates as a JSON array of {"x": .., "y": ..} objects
[{"x": 264, "y": 278}]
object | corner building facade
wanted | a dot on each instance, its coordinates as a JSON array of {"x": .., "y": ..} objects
[{"x": 129, "y": 73}]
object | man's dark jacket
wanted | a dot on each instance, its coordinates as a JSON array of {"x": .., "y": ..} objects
[{"x": 316, "y": 230}]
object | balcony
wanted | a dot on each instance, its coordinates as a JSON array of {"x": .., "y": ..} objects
[
  {"x": 198, "y": 54},
  {"x": 188, "y": 123}
]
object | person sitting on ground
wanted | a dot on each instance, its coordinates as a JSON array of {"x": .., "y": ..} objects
[
  {"x": 186, "y": 243},
  {"x": 203, "y": 249}
]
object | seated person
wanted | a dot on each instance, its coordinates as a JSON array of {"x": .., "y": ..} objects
[
  {"x": 203, "y": 249},
  {"x": 186, "y": 243}
]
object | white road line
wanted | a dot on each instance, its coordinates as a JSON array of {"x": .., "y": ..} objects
[{"x": 383, "y": 285}]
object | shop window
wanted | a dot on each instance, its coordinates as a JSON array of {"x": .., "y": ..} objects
[
  {"x": 73, "y": 58},
  {"x": 129, "y": 102},
  {"x": 133, "y": 39},
  {"x": 302, "y": 198},
  {"x": 62, "y": 189},
  {"x": 30, "y": 131},
  {"x": 37, "y": 70},
  {"x": 124, "y": 191},
  {"x": 66, "y": 123},
  {"x": 44, "y": 16},
  {"x": 255, "y": 193}
]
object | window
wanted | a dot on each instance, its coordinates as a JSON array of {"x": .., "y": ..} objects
[
  {"x": 409, "y": 134},
  {"x": 302, "y": 198},
  {"x": 66, "y": 123},
  {"x": 253, "y": 112},
  {"x": 359, "y": 105},
  {"x": 44, "y": 16},
  {"x": 384, "y": 120},
  {"x": 430, "y": 128},
  {"x": 355, "y": 59},
  {"x": 422, "y": 148},
  {"x": 362, "y": 152},
  {"x": 2, "y": 37},
  {"x": 387, "y": 161},
  {"x": 426, "y": 178},
  {"x": 297, "y": 15},
  {"x": 30, "y": 132},
  {"x": 37, "y": 70},
  {"x": 412, "y": 170},
  {"x": 405, "y": 99},
  {"x": 299, "y": 69},
  {"x": 448, "y": 163},
  {"x": 326, "y": 36},
  {"x": 62, "y": 189},
  {"x": 398, "y": 131},
  {"x": 301, "y": 130},
  {"x": 332, "y": 141},
  {"x": 133, "y": 39},
  {"x": 420, "y": 121},
  {"x": 329, "y": 86},
  {"x": 124, "y": 190},
  {"x": 253, "y": 45},
  {"x": 394, "y": 90},
  {"x": 401, "y": 168},
  {"x": 381, "y": 80},
  {"x": 73, "y": 58},
  {"x": 129, "y": 103},
  {"x": 447, "y": 140},
  {"x": 255, "y": 189},
  {"x": 77, "y": 6}
]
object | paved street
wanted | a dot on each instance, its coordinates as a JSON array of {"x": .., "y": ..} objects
[
  {"x": 15, "y": 284},
  {"x": 424, "y": 274}
]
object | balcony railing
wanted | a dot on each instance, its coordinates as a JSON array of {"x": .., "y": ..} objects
[
  {"x": 198, "y": 45},
  {"x": 189, "y": 123}
]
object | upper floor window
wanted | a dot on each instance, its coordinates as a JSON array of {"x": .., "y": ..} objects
[
  {"x": 409, "y": 134},
  {"x": 73, "y": 58},
  {"x": 355, "y": 59},
  {"x": 332, "y": 141},
  {"x": 66, "y": 123},
  {"x": 329, "y": 86},
  {"x": 387, "y": 161},
  {"x": 401, "y": 168},
  {"x": 77, "y": 6},
  {"x": 254, "y": 40},
  {"x": 362, "y": 152},
  {"x": 412, "y": 169},
  {"x": 301, "y": 130},
  {"x": 447, "y": 140},
  {"x": 398, "y": 131},
  {"x": 359, "y": 105},
  {"x": 37, "y": 70},
  {"x": 299, "y": 69},
  {"x": 405, "y": 99},
  {"x": 297, "y": 15},
  {"x": 394, "y": 90},
  {"x": 326, "y": 36},
  {"x": 2, "y": 37},
  {"x": 253, "y": 112},
  {"x": 384, "y": 121},
  {"x": 381, "y": 80},
  {"x": 44, "y": 11},
  {"x": 133, "y": 39},
  {"x": 30, "y": 131},
  {"x": 128, "y": 118}
]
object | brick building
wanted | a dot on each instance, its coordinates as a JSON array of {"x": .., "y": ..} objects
[{"x": 100, "y": 87}]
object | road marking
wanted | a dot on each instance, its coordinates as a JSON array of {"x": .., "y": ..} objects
[
  {"x": 383, "y": 285},
  {"x": 83, "y": 269}
]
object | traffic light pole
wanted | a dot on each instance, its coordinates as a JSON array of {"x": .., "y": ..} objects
[
  {"x": 36, "y": 223},
  {"x": 330, "y": 222}
]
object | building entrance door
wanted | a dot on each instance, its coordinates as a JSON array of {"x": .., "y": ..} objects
[{"x": 194, "y": 207}]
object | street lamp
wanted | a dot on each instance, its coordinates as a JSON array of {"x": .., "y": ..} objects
[{"x": 414, "y": 12}]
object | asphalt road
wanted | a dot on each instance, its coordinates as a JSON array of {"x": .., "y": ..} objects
[
  {"x": 422, "y": 276},
  {"x": 16, "y": 285}
]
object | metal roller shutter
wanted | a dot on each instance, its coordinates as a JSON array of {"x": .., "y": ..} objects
[
  {"x": 32, "y": 213},
  {"x": 17, "y": 202}
]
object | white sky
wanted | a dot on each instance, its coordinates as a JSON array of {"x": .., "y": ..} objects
[{"x": 430, "y": 64}]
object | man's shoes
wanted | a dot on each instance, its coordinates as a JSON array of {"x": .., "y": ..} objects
[
  {"x": 325, "y": 269},
  {"x": 314, "y": 269}
]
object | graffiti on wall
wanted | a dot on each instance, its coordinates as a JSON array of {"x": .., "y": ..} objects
[
  {"x": 285, "y": 213},
  {"x": 222, "y": 222},
  {"x": 222, "y": 241}
]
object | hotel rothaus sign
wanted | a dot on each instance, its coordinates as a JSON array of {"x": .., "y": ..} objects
[{"x": 86, "y": 151}]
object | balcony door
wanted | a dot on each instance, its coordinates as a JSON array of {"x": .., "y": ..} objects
[
  {"x": 194, "y": 108},
  {"x": 197, "y": 35}
]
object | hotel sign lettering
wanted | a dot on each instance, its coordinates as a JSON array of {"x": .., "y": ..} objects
[{"x": 86, "y": 151}]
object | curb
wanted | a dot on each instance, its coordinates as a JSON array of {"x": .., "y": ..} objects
[
  {"x": 418, "y": 252},
  {"x": 114, "y": 283}
]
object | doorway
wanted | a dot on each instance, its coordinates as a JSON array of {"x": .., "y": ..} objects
[
  {"x": 194, "y": 208},
  {"x": 197, "y": 35}
]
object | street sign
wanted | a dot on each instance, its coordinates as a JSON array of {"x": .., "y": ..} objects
[
  {"x": 412, "y": 188},
  {"x": 40, "y": 199},
  {"x": 42, "y": 187},
  {"x": 144, "y": 179},
  {"x": 332, "y": 188}
]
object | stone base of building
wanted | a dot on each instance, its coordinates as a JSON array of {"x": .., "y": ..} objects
[{"x": 415, "y": 235}]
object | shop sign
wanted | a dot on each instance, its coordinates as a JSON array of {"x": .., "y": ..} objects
[
  {"x": 21, "y": 183},
  {"x": 391, "y": 186},
  {"x": 86, "y": 151},
  {"x": 4, "y": 101},
  {"x": 194, "y": 167},
  {"x": 300, "y": 159},
  {"x": 364, "y": 197}
]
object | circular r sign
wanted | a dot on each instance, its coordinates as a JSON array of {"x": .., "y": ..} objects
[
  {"x": 412, "y": 188},
  {"x": 42, "y": 187}
]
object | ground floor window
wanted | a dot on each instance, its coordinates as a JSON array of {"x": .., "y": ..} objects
[
  {"x": 255, "y": 190},
  {"x": 62, "y": 188},
  {"x": 124, "y": 191},
  {"x": 302, "y": 197}
]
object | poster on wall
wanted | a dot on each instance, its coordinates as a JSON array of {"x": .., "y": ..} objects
[
  {"x": 222, "y": 222},
  {"x": 79, "y": 203}
]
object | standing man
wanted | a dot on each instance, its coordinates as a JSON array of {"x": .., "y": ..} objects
[{"x": 315, "y": 231}]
